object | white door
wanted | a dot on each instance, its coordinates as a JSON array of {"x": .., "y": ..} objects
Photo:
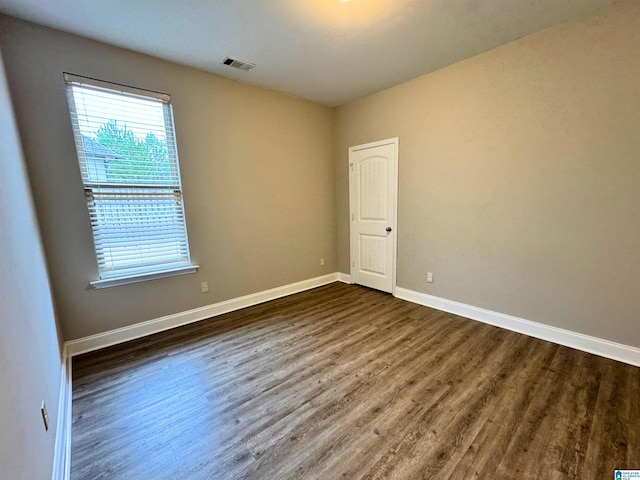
[{"x": 373, "y": 186}]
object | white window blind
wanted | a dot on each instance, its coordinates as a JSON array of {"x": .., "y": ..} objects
[{"x": 126, "y": 146}]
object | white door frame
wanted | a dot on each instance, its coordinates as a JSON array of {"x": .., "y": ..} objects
[{"x": 352, "y": 205}]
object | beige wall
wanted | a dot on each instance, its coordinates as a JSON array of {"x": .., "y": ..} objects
[
  {"x": 519, "y": 176},
  {"x": 257, "y": 171},
  {"x": 30, "y": 358}
]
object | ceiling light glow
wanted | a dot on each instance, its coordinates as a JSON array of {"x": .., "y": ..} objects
[{"x": 343, "y": 18}]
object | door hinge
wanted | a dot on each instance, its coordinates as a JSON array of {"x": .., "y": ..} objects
[
  {"x": 351, "y": 165},
  {"x": 353, "y": 264},
  {"x": 353, "y": 217}
]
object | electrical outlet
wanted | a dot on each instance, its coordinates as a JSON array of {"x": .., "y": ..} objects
[
  {"x": 322, "y": 262},
  {"x": 204, "y": 287},
  {"x": 430, "y": 277},
  {"x": 45, "y": 417}
]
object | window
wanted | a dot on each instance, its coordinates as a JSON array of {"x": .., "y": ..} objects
[{"x": 129, "y": 164}]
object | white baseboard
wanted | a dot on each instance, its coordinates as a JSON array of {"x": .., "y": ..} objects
[
  {"x": 579, "y": 341},
  {"x": 344, "y": 277},
  {"x": 62, "y": 455},
  {"x": 139, "y": 330},
  {"x": 597, "y": 346}
]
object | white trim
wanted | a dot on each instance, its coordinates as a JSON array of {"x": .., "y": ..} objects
[
  {"x": 378, "y": 143},
  {"x": 119, "y": 87},
  {"x": 62, "y": 455},
  {"x": 143, "y": 277},
  {"x": 139, "y": 330},
  {"x": 568, "y": 338},
  {"x": 344, "y": 277},
  {"x": 395, "y": 141}
]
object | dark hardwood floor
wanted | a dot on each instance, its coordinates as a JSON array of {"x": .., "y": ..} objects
[{"x": 342, "y": 382}]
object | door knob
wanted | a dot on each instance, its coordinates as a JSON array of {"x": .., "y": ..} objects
[{"x": 388, "y": 229}]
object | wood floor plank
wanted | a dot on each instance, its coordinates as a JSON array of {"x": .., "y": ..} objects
[{"x": 344, "y": 382}]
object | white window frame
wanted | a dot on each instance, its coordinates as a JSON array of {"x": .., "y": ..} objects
[{"x": 108, "y": 270}]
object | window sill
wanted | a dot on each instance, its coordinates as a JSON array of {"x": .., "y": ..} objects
[{"x": 115, "y": 282}]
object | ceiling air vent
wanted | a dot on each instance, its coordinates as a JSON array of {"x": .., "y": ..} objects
[{"x": 235, "y": 63}]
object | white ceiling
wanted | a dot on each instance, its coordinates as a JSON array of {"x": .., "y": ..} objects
[{"x": 329, "y": 51}]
